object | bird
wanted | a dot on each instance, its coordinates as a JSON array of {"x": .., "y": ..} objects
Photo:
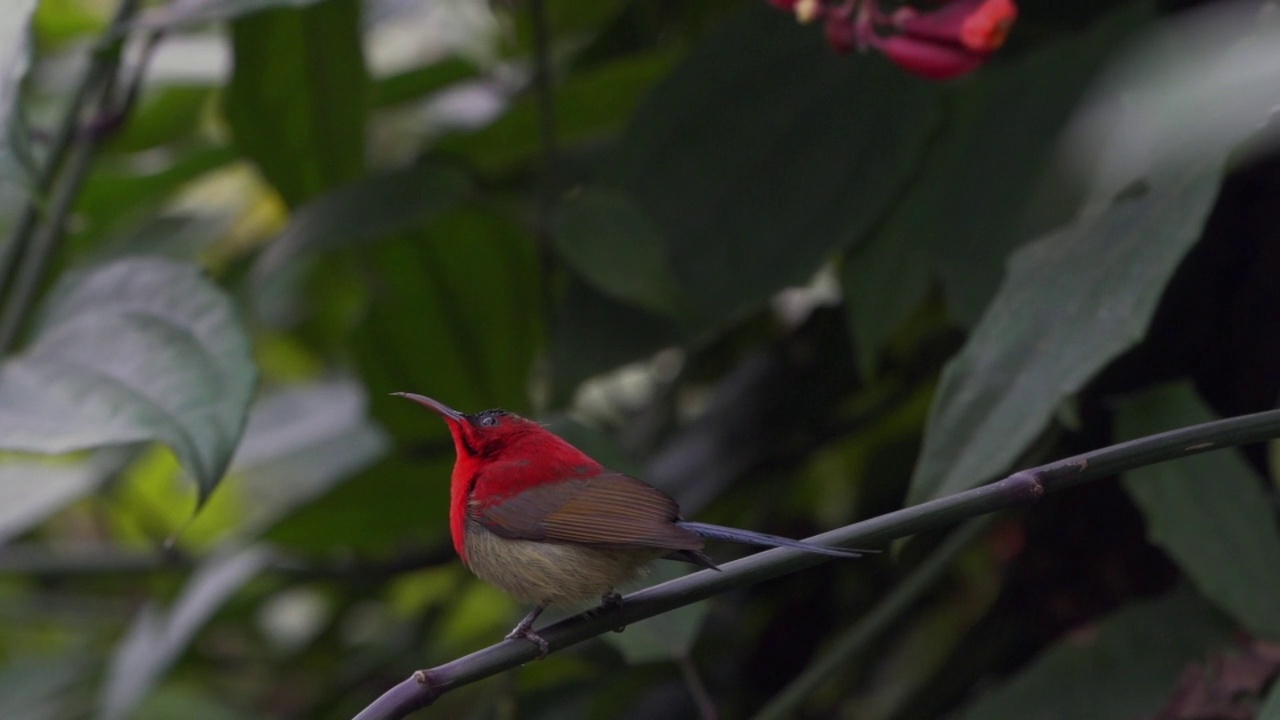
[{"x": 543, "y": 521}]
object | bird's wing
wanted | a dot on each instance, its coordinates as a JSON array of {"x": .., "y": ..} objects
[{"x": 608, "y": 510}]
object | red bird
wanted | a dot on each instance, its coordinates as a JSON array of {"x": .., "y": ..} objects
[{"x": 537, "y": 517}]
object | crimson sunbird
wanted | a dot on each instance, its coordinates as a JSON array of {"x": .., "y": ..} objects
[{"x": 538, "y": 518}]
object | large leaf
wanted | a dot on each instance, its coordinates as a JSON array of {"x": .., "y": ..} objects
[
  {"x": 1123, "y": 669},
  {"x": 139, "y": 349},
  {"x": 157, "y": 638},
  {"x": 1210, "y": 512},
  {"x": 764, "y": 153},
  {"x": 992, "y": 184},
  {"x": 298, "y": 96},
  {"x": 1072, "y": 302},
  {"x": 611, "y": 244},
  {"x": 370, "y": 208},
  {"x": 15, "y": 60}
]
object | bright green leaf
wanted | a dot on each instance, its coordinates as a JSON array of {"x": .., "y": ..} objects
[
  {"x": 158, "y": 638},
  {"x": 1071, "y": 302},
  {"x": 607, "y": 240},
  {"x": 1210, "y": 512},
  {"x": 1125, "y": 668},
  {"x": 368, "y": 209},
  {"x": 297, "y": 102},
  {"x": 139, "y": 349},
  {"x": 764, "y": 153}
]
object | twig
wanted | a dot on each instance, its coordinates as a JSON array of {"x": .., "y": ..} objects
[
  {"x": 697, "y": 688},
  {"x": 897, "y": 602},
  {"x": 1019, "y": 489},
  {"x": 31, "y": 246}
]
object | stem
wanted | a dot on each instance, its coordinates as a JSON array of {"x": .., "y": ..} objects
[
  {"x": 544, "y": 93},
  {"x": 25, "y": 247},
  {"x": 854, "y": 640},
  {"x": 1019, "y": 489},
  {"x": 697, "y": 689}
]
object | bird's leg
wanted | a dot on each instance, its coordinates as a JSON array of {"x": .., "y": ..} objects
[{"x": 524, "y": 629}]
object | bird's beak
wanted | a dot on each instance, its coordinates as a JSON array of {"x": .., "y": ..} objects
[{"x": 440, "y": 408}]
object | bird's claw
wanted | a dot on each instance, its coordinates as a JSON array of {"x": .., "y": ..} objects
[{"x": 521, "y": 633}]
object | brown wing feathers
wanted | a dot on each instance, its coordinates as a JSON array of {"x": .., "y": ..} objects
[{"x": 609, "y": 510}]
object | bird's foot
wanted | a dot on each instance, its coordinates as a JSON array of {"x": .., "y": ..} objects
[
  {"x": 609, "y": 601},
  {"x": 526, "y": 633}
]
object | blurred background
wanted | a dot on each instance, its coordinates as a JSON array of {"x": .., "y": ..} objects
[{"x": 793, "y": 287}]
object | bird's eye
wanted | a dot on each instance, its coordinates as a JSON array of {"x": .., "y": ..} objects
[{"x": 488, "y": 421}]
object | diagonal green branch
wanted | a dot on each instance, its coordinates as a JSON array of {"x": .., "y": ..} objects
[{"x": 1019, "y": 489}]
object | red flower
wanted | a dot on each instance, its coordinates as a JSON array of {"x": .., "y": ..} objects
[{"x": 944, "y": 43}]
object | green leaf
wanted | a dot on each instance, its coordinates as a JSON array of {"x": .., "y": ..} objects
[
  {"x": 195, "y": 12},
  {"x": 591, "y": 105},
  {"x": 158, "y": 638},
  {"x": 1123, "y": 669},
  {"x": 368, "y": 209},
  {"x": 297, "y": 102},
  {"x": 607, "y": 240},
  {"x": 884, "y": 280},
  {"x": 1210, "y": 512},
  {"x": 992, "y": 179},
  {"x": 139, "y": 349},
  {"x": 764, "y": 153},
  {"x": 299, "y": 443},
  {"x": 667, "y": 636},
  {"x": 1270, "y": 709},
  {"x": 460, "y": 304},
  {"x": 1071, "y": 302},
  {"x": 41, "y": 688},
  {"x": 15, "y": 61}
]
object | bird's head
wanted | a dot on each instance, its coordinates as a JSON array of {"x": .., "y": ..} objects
[{"x": 483, "y": 435}]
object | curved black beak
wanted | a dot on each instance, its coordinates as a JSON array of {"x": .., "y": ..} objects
[{"x": 436, "y": 406}]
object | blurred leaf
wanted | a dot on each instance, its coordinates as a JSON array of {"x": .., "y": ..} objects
[
  {"x": 420, "y": 82},
  {"x": 1270, "y": 709},
  {"x": 606, "y": 239},
  {"x": 298, "y": 95},
  {"x": 15, "y": 61},
  {"x": 170, "y": 702},
  {"x": 41, "y": 689},
  {"x": 139, "y": 349},
  {"x": 456, "y": 314},
  {"x": 594, "y": 332},
  {"x": 181, "y": 13},
  {"x": 176, "y": 237},
  {"x": 299, "y": 442},
  {"x": 590, "y": 105},
  {"x": 1122, "y": 669},
  {"x": 163, "y": 116},
  {"x": 663, "y": 637},
  {"x": 984, "y": 191},
  {"x": 1209, "y": 512},
  {"x": 884, "y": 280},
  {"x": 32, "y": 490},
  {"x": 368, "y": 209},
  {"x": 116, "y": 191},
  {"x": 732, "y": 157},
  {"x": 158, "y": 638},
  {"x": 1071, "y": 302}
]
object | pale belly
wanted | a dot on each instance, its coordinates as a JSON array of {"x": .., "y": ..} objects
[{"x": 540, "y": 573}]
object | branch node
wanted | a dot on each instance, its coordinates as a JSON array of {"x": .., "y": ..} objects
[{"x": 1024, "y": 486}]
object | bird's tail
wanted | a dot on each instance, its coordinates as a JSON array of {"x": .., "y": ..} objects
[{"x": 747, "y": 537}]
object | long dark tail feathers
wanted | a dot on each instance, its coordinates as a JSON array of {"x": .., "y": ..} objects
[{"x": 748, "y": 537}]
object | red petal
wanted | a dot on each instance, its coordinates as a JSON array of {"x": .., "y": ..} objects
[{"x": 926, "y": 59}]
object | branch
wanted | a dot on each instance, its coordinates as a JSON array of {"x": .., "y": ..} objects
[
  {"x": 32, "y": 245},
  {"x": 1019, "y": 489}
]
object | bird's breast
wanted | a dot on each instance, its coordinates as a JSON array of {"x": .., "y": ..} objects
[{"x": 543, "y": 573}]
